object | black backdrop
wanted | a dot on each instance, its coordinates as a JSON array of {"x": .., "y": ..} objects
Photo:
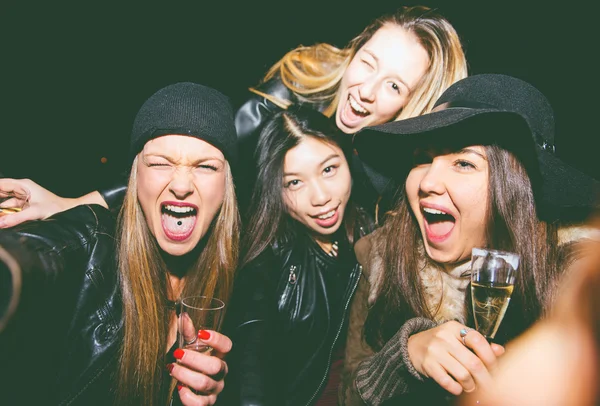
[{"x": 73, "y": 74}]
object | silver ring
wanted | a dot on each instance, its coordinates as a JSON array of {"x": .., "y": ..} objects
[
  {"x": 463, "y": 334},
  {"x": 191, "y": 342}
]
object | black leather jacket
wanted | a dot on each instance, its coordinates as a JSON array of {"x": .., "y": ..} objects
[
  {"x": 287, "y": 314},
  {"x": 255, "y": 111},
  {"x": 61, "y": 345}
]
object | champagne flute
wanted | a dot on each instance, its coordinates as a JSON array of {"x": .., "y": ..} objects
[{"x": 492, "y": 281}]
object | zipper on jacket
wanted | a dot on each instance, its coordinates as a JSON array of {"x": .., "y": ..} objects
[
  {"x": 292, "y": 278},
  {"x": 290, "y": 285},
  {"x": 337, "y": 335}
]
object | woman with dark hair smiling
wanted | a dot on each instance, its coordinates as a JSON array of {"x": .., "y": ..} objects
[
  {"x": 478, "y": 172},
  {"x": 289, "y": 308}
]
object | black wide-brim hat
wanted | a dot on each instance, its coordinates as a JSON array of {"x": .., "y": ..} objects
[{"x": 487, "y": 109}]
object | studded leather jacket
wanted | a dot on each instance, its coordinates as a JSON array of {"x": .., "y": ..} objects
[
  {"x": 62, "y": 309},
  {"x": 287, "y": 315}
]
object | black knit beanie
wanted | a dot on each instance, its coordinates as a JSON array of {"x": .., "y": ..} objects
[{"x": 187, "y": 109}]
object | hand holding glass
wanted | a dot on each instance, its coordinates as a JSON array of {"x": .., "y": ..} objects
[
  {"x": 198, "y": 313},
  {"x": 492, "y": 280}
]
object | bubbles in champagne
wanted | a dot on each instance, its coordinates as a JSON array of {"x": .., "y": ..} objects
[{"x": 490, "y": 301}]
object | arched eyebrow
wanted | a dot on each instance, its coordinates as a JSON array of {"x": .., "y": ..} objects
[
  {"x": 331, "y": 156},
  {"x": 472, "y": 151}
]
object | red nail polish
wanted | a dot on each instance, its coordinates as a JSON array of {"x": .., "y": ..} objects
[
  {"x": 170, "y": 367},
  {"x": 203, "y": 335},
  {"x": 178, "y": 353},
  {"x": 179, "y": 387}
]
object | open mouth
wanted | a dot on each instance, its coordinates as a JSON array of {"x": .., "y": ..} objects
[
  {"x": 357, "y": 109},
  {"x": 353, "y": 113},
  {"x": 327, "y": 215},
  {"x": 438, "y": 224},
  {"x": 178, "y": 220},
  {"x": 327, "y": 219}
]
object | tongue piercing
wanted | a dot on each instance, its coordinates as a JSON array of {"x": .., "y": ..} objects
[{"x": 179, "y": 223}]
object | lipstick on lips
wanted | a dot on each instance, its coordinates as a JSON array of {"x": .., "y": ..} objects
[{"x": 178, "y": 219}]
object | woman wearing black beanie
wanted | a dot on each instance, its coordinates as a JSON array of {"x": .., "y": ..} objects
[{"x": 111, "y": 307}]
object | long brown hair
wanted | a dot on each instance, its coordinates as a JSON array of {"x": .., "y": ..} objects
[
  {"x": 145, "y": 290},
  {"x": 314, "y": 72},
  {"x": 512, "y": 225}
]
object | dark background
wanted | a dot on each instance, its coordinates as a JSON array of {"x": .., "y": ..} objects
[{"x": 73, "y": 74}]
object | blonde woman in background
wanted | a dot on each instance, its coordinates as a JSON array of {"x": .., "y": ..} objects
[{"x": 394, "y": 69}]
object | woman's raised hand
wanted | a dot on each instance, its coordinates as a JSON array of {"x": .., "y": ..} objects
[
  {"x": 201, "y": 373},
  {"x": 41, "y": 203},
  {"x": 455, "y": 362}
]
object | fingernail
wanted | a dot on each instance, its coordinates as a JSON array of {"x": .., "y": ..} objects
[
  {"x": 178, "y": 353},
  {"x": 170, "y": 367},
  {"x": 179, "y": 387},
  {"x": 203, "y": 335}
]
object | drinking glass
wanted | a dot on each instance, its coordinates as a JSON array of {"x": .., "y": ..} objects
[
  {"x": 13, "y": 201},
  {"x": 492, "y": 280},
  {"x": 198, "y": 313}
]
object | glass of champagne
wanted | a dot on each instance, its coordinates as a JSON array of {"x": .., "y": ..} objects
[
  {"x": 198, "y": 313},
  {"x": 492, "y": 280}
]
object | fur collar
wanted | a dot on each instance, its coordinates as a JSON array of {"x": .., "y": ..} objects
[{"x": 444, "y": 290}]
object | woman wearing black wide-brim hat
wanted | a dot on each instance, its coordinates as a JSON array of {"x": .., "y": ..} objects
[{"x": 479, "y": 171}]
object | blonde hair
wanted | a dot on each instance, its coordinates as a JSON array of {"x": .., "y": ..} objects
[
  {"x": 314, "y": 72},
  {"x": 145, "y": 290}
]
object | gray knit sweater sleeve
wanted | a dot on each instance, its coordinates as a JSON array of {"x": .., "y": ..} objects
[{"x": 390, "y": 372}]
